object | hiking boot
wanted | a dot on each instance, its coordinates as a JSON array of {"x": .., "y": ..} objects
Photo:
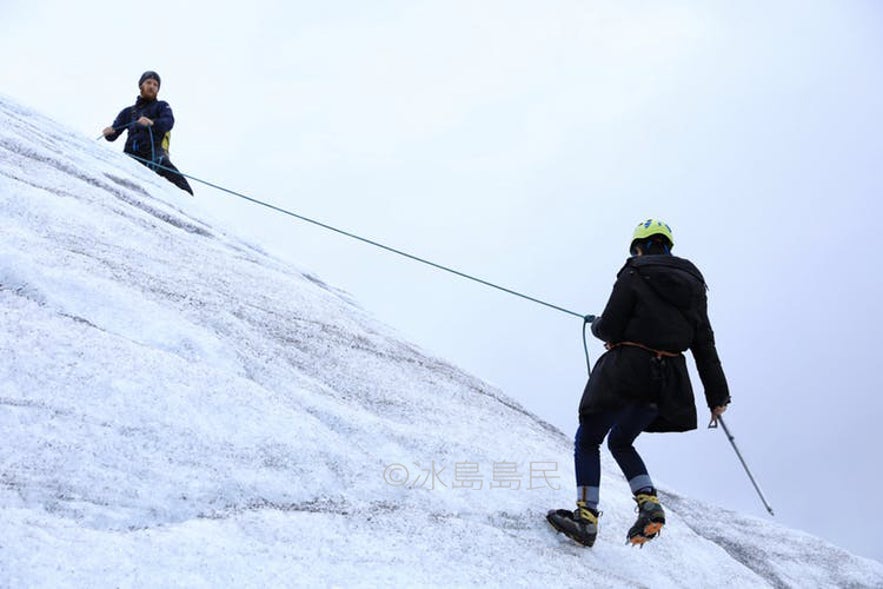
[
  {"x": 651, "y": 518},
  {"x": 580, "y": 525}
]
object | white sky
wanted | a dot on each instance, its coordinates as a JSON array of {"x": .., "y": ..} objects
[{"x": 522, "y": 141}]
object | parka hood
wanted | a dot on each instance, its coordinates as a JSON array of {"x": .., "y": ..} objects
[{"x": 676, "y": 280}]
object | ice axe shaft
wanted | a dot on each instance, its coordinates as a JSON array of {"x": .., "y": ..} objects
[{"x": 744, "y": 465}]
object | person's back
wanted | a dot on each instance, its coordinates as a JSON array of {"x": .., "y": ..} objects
[
  {"x": 677, "y": 317},
  {"x": 658, "y": 305},
  {"x": 663, "y": 307}
]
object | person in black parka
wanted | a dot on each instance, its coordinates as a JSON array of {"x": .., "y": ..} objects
[
  {"x": 149, "y": 123},
  {"x": 657, "y": 311}
]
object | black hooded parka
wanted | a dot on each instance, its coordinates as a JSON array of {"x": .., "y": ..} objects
[{"x": 658, "y": 303}]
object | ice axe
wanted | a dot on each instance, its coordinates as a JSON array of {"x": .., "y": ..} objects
[{"x": 730, "y": 437}]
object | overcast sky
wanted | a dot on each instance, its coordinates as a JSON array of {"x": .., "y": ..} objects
[{"x": 522, "y": 142}]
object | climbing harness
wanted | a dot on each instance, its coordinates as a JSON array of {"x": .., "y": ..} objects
[
  {"x": 658, "y": 353},
  {"x": 657, "y": 363}
]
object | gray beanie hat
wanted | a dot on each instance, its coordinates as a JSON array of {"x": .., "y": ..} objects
[{"x": 148, "y": 75}]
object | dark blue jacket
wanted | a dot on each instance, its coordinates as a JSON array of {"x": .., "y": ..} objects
[{"x": 146, "y": 142}]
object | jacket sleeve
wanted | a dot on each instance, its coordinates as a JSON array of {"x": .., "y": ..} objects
[
  {"x": 164, "y": 120},
  {"x": 612, "y": 323},
  {"x": 708, "y": 364},
  {"x": 120, "y": 123}
]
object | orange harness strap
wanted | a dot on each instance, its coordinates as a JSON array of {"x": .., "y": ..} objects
[{"x": 657, "y": 353}]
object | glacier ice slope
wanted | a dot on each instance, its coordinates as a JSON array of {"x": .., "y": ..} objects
[{"x": 179, "y": 408}]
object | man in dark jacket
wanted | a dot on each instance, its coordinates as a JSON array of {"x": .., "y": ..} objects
[
  {"x": 149, "y": 123},
  {"x": 657, "y": 311}
]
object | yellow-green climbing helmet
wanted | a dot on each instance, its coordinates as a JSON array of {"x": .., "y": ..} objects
[{"x": 652, "y": 227}]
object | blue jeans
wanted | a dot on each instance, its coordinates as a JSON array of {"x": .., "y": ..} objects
[{"x": 623, "y": 426}]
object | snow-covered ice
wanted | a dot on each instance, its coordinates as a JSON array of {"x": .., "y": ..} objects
[{"x": 179, "y": 408}]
